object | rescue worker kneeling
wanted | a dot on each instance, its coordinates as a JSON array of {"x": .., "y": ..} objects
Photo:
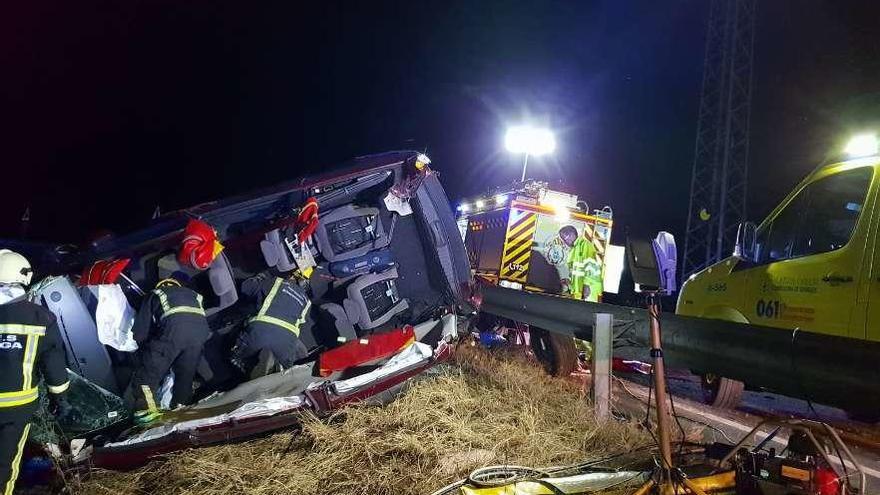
[
  {"x": 273, "y": 334},
  {"x": 171, "y": 330},
  {"x": 29, "y": 341}
]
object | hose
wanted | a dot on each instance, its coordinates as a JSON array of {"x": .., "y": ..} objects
[
  {"x": 491, "y": 476},
  {"x": 500, "y": 475},
  {"x": 503, "y": 475},
  {"x": 448, "y": 488}
]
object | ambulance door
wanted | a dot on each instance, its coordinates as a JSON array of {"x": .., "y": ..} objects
[{"x": 809, "y": 257}]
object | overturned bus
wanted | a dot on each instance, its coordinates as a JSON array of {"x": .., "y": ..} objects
[{"x": 386, "y": 268}]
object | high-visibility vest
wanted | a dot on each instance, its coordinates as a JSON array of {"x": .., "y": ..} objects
[
  {"x": 176, "y": 301},
  {"x": 285, "y": 306},
  {"x": 28, "y": 392},
  {"x": 28, "y": 338},
  {"x": 585, "y": 268}
]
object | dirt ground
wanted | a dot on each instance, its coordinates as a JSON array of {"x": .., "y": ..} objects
[{"x": 480, "y": 410}]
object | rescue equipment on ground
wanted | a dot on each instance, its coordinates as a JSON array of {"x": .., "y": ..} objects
[
  {"x": 199, "y": 246},
  {"x": 815, "y": 461}
]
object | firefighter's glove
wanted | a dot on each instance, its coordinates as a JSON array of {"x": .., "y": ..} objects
[
  {"x": 238, "y": 363},
  {"x": 146, "y": 417}
]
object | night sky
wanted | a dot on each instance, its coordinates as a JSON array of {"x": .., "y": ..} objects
[{"x": 109, "y": 109}]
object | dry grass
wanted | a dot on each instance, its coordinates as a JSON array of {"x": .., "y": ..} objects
[{"x": 482, "y": 410}]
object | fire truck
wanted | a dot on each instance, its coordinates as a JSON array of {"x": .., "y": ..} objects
[{"x": 523, "y": 236}]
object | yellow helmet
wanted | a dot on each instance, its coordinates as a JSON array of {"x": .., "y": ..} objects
[{"x": 14, "y": 268}]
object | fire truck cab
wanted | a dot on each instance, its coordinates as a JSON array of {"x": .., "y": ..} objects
[
  {"x": 527, "y": 236},
  {"x": 517, "y": 236}
]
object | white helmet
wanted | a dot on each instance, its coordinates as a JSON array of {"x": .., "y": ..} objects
[{"x": 14, "y": 268}]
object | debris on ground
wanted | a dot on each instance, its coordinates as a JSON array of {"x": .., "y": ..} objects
[{"x": 481, "y": 409}]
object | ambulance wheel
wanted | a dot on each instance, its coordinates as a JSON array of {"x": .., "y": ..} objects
[
  {"x": 721, "y": 392},
  {"x": 555, "y": 352}
]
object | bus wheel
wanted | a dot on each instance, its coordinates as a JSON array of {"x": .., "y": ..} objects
[
  {"x": 555, "y": 352},
  {"x": 721, "y": 392}
]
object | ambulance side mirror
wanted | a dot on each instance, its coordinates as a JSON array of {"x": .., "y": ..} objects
[{"x": 746, "y": 235}]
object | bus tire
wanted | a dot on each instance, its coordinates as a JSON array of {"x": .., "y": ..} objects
[
  {"x": 556, "y": 353},
  {"x": 721, "y": 392}
]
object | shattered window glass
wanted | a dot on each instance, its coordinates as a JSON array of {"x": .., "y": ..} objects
[{"x": 97, "y": 409}]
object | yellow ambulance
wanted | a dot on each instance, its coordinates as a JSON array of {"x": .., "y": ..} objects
[{"x": 813, "y": 264}]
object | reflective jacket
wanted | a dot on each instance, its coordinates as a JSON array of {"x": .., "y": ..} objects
[
  {"x": 585, "y": 269},
  {"x": 282, "y": 303},
  {"x": 171, "y": 309},
  {"x": 29, "y": 342}
]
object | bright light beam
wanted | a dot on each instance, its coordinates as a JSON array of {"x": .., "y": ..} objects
[
  {"x": 529, "y": 140},
  {"x": 862, "y": 145}
]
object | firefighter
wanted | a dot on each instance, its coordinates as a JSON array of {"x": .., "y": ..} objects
[
  {"x": 283, "y": 310},
  {"x": 584, "y": 268},
  {"x": 171, "y": 330},
  {"x": 30, "y": 341}
]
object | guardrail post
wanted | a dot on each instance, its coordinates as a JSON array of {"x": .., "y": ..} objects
[{"x": 601, "y": 369}]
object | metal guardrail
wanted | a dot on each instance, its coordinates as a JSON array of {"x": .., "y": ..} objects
[{"x": 837, "y": 371}]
